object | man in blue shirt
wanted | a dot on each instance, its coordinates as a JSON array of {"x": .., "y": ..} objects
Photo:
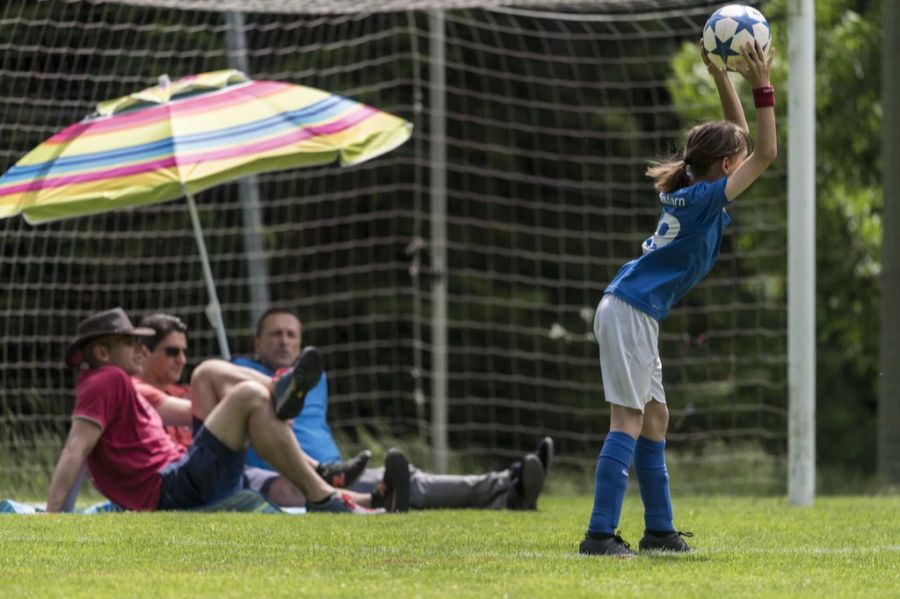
[{"x": 277, "y": 345}]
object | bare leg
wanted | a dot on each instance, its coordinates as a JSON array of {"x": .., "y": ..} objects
[
  {"x": 656, "y": 421},
  {"x": 246, "y": 413},
  {"x": 626, "y": 420},
  {"x": 214, "y": 379},
  {"x": 283, "y": 494}
]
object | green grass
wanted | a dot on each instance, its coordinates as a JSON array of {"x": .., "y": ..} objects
[{"x": 843, "y": 546}]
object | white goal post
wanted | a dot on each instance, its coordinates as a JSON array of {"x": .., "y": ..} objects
[{"x": 802, "y": 253}]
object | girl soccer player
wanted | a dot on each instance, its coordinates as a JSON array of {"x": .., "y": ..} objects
[{"x": 694, "y": 192}]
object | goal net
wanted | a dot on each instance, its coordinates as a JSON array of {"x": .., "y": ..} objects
[{"x": 552, "y": 112}]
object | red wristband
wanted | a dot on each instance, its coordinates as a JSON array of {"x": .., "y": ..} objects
[{"x": 764, "y": 96}]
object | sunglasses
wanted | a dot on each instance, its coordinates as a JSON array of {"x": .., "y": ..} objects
[{"x": 174, "y": 352}]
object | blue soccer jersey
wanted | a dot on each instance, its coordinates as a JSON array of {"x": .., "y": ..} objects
[{"x": 681, "y": 252}]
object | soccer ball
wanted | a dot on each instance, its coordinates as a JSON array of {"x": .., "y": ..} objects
[{"x": 728, "y": 29}]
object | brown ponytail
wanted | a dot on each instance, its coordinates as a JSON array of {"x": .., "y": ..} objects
[
  {"x": 669, "y": 175},
  {"x": 706, "y": 145}
]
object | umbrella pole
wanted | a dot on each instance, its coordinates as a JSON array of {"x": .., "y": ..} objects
[{"x": 213, "y": 309}]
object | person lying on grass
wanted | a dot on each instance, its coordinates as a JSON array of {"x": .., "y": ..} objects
[
  {"x": 135, "y": 464},
  {"x": 277, "y": 344}
]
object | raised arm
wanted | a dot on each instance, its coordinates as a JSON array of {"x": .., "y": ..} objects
[
  {"x": 731, "y": 103},
  {"x": 82, "y": 438},
  {"x": 756, "y": 71}
]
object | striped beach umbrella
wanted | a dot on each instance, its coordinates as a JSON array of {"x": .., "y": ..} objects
[{"x": 181, "y": 137}]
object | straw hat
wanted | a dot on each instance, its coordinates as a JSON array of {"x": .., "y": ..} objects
[{"x": 110, "y": 322}]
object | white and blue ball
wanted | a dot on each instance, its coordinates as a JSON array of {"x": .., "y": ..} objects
[{"x": 729, "y": 29}]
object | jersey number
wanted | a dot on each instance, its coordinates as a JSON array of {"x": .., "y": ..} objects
[{"x": 666, "y": 231}]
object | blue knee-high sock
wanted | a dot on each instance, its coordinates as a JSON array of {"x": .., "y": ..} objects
[
  {"x": 650, "y": 469},
  {"x": 611, "y": 482}
]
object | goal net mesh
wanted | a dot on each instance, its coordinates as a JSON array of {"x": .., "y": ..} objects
[{"x": 552, "y": 112}]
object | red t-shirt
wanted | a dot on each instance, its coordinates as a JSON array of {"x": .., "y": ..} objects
[
  {"x": 133, "y": 446},
  {"x": 180, "y": 434}
]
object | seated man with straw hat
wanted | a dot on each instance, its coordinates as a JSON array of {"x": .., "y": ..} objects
[{"x": 135, "y": 464}]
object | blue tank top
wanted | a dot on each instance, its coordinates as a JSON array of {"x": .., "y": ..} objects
[
  {"x": 681, "y": 252},
  {"x": 310, "y": 427}
]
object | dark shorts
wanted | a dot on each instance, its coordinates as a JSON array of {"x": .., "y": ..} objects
[{"x": 209, "y": 471}]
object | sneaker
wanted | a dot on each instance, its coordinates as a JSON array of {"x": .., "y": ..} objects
[
  {"x": 529, "y": 482},
  {"x": 392, "y": 492},
  {"x": 545, "y": 453},
  {"x": 344, "y": 474},
  {"x": 670, "y": 542},
  {"x": 614, "y": 546},
  {"x": 291, "y": 387},
  {"x": 341, "y": 503}
]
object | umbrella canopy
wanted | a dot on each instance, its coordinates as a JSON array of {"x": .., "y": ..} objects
[
  {"x": 181, "y": 137},
  {"x": 191, "y": 134}
]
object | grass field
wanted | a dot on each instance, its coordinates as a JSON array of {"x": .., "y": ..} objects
[{"x": 844, "y": 546}]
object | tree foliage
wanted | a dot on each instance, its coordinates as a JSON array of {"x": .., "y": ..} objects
[{"x": 848, "y": 203}]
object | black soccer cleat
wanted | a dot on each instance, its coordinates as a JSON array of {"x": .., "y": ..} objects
[
  {"x": 528, "y": 484},
  {"x": 392, "y": 492},
  {"x": 344, "y": 474},
  {"x": 614, "y": 546},
  {"x": 291, "y": 388},
  {"x": 545, "y": 453},
  {"x": 673, "y": 541}
]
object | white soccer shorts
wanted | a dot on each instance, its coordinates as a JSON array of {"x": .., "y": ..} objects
[{"x": 629, "y": 354}]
